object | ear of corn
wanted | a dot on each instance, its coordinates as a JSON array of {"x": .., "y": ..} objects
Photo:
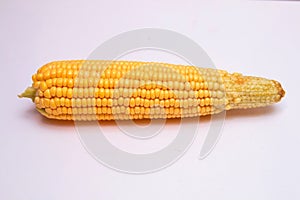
[{"x": 110, "y": 90}]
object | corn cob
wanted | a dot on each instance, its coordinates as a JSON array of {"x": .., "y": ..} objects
[{"x": 112, "y": 90}]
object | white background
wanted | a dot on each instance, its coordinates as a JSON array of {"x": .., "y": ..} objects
[{"x": 257, "y": 156}]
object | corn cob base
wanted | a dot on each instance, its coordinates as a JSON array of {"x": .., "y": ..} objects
[{"x": 111, "y": 90}]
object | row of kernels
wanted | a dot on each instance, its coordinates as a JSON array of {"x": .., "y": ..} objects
[
  {"x": 83, "y": 92},
  {"x": 58, "y": 92},
  {"x": 125, "y": 83},
  {"x": 58, "y": 82},
  {"x": 202, "y": 94},
  {"x": 132, "y": 102},
  {"x": 86, "y": 82},
  {"x": 55, "y": 73},
  {"x": 204, "y": 111}
]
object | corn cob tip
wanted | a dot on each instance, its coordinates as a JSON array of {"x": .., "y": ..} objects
[
  {"x": 280, "y": 90},
  {"x": 30, "y": 92}
]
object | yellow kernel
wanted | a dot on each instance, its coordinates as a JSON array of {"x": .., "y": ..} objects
[
  {"x": 53, "y": 73},
  {"x": 104, "y": 110},
  {"x": 49, "y": 83},
  {"x": 70, "y": 93},
  {"x": 167, "y": 103},
  {"x": 46, "y": 103},
  {"x": 68, "y": 103},
  {"x": 143, "y": 93},
  {"x": 70, "y": 111},
  {"x": 62, "y": 101},
  {"x": 54, "y": 81},
  {"x": 137, "y": 101},
  {"x": 147, "y": 111},
  {"x": 101, "y": 93},
  {"x": 109, "y": 102},
  {"x": 166, "y": 94},
  {"x": 146, "y": 103},
  {"x": 202, "y": 102},
  {"x": 52, "y": 104},
  {"x": 53, "y": 91},
  {"x": 237, "y": 100},
  {"x": 37, "y": 100},
  {"x": 157, "y": 92},
  {"x": 206, "y": 93},
  {"x": 152, "y": 94},
  {"x": 172, "y": 102},
  {"x": 132, "y": 102},
  {"x": 59, "y": 82},
  {"x": 151, "y": 103},
  {"x": 104, "y": 102},
  {"x": 39, "y": 77},
  {"x": 107, "y": 93},
  {"x": 98, "y": 102},
  {"x": 43, "y": 86},
  {"x": 197, "y": 86},
  {"x": 57, "y": 101},
  {"x": 40, "y": 93},
  {"x": 69, "y": 74},
  {"x": 36, "y": 84},
  {"x": 34, "y": 77},
  {"x": 162, "y": 103},
  {"x": 59, "y": 72},
  {"x": 64, "y": 110},
  {"x": 161, "y": 95},
  {"x": 65, "y": 82},
  {"x": 70, "y": 83},
  {"x": 59, "y": 111},
  {"x": 48, "y": 110},
  {"x": 208, "y": 109},
  {"x": 201, "y": 93},
  {"x": 58, "y": 92},
  {"x": 96, "y": 93},
  {"x": 41, "y": 104},
  {"x": 142, "y": 102},
  {"x": 106, "y": 83},
  {"x": 137, "y": 110},
  {"x": 207, "y": 101},
  {"x": 148, "y": 95},
  {"x": 177, "y": 103},
  {"x": 64, "y": 91},
  {"x": 54, "y": 112},
  {"x": 47, "y": 94}
]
